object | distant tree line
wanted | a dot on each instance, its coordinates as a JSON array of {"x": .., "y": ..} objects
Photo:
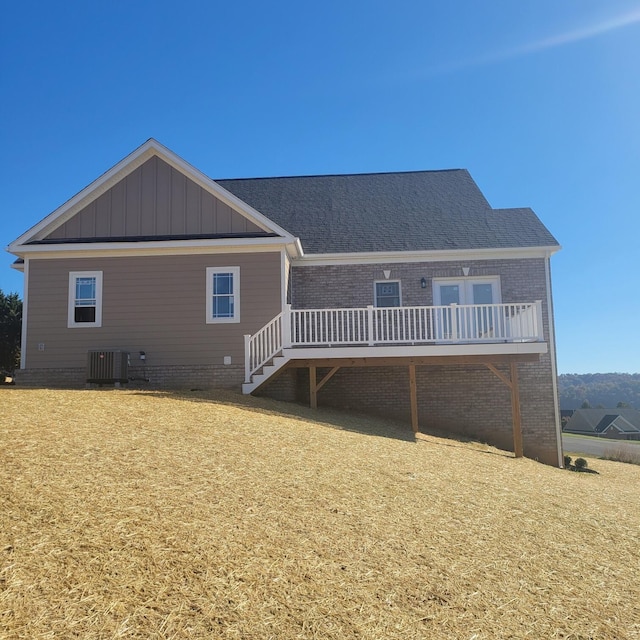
[
  {"x": 607, "y": 390},
  {"x": 10, "y": 331}
]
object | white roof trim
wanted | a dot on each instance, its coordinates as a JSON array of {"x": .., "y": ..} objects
[
  {"x": 157, "y": 247},
  {"x": 632, "y": 427},
  {"x": 446, "y": 255},
  {"x": 122, "y": 169}
]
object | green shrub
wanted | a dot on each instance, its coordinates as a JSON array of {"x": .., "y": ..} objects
[
  {"x": 567, "y": 462},
  {"x": 580, "y": 464}
]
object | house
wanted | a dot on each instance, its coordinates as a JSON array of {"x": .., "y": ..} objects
[
  {"x": 620, "y": 424},
  {"x": 403, "y": 294}
]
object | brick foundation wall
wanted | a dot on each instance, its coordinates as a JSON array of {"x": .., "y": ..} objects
[
  {"x": 286, "y": 386},
  {"x": 468, "y": 401},
  {"x": 150, "y": 377},
  {"x": 67, "y": 378}
]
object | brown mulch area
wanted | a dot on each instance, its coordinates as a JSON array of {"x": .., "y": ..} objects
[{"x": 154, "y": 515}]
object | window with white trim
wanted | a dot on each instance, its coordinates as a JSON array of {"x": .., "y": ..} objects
[
  {"x": 223, "y": 294},
  {"x": 85, "y": 299},
  {"x": 387, "y": 293}
]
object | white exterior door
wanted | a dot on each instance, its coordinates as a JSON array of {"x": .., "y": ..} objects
[{"x": 462, "y": 322}]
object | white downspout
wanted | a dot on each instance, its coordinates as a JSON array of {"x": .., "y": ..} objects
[{"x": 552, "y": 356}]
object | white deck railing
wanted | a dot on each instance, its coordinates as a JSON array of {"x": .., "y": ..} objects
[
  {"x": 520, "y": 322},
  {"x": 372, "y": 326}
]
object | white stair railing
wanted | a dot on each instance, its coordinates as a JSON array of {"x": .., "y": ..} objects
[{"x": 262, "y": 346}]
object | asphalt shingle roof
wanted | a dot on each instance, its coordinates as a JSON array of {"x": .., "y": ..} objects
[{"x": 411, "y": 211}]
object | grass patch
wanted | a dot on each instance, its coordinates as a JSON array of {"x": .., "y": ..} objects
[
  {"x": 599, "y": 439},
  {"x": 619, "y": 453},
  {"x": 155, "y": 515}
]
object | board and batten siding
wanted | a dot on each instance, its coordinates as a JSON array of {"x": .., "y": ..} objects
[
  {"x": 154, "y": 200},
  {"x": 154, "y": 304}
]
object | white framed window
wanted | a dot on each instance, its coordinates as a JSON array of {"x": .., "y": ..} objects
[
  {"x": 223, "y": 294},
  {"x": 387, "y": 293},
  {"x": 85, "y": 299}
]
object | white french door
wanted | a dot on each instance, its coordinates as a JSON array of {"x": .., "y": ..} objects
[{"x": 462, "y": 322}]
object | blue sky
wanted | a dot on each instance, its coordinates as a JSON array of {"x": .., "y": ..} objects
[{"x": 539, "y": 99}]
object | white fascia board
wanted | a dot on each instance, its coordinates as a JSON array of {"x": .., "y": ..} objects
[
  {"x": 515, "y": 348},
  {"x": 18, "y": 266},
  {"x": 377, "y": 257},
  {"x": 124, "y": 168},
  {"x": 156, "y": 248}
]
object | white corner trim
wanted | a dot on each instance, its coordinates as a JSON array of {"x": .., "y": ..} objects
[
  {"x": 126, "y": 166},
  {"x": 25, "y": 311},
  {"x": 284, "y": 265},
  {"x": 447, "y": 255},
  {"x": 553, "y": 359}
]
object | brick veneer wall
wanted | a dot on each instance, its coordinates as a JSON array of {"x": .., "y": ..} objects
[
  {"x": 159, "y": 377},
  {"x": 465, "y": 400},
  {"x": 351, "y": 285}
]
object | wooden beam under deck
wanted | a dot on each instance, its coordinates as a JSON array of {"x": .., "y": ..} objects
[
  {"x": 515, "y": 410},
  {"x": 498, "y": 358},
  {"x": 315, "y": 386},
  {"x": 489, "y": 361},
  {"x": 512, "y": 382},
  {"x": 413, "y": 387}
]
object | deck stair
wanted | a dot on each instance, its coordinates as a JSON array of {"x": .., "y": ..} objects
[{"x": 268, "y": 370}]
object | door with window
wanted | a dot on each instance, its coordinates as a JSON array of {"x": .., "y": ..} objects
[{"x": 461, "y": 321}]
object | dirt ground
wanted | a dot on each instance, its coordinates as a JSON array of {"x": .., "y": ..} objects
[{"x": 156, "y": 515}]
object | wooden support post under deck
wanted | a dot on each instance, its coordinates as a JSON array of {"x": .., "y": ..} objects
[
  {"x": 512, "y": 383},
  {"x": 313, "y": 388},
  {"x": 414, "y": 398},
  {"x": 515, "y": 409}
]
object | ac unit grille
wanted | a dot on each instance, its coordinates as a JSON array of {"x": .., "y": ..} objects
[{"x": 107, "y": 366}]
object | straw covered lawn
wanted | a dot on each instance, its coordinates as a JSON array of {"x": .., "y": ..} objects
[{"x": 197, "y": 515}]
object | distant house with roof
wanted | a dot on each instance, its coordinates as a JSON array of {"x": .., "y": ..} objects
[
  {"x": 620, "y": 424},
  {"x": 401, "y": 294}
]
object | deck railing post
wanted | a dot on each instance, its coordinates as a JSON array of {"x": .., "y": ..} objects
[
  {"x": 454, "y": 321},
  {"x": 247, "y": 357},
  {"x": 370, "y": 324},
  {"x": 539, "y": 321},
  {"x": 286, "y": 327}
]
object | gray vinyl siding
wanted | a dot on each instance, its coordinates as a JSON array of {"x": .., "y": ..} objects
[
  {"x": 154, "y": 200},
  {"x": 154, "y": 304}
]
